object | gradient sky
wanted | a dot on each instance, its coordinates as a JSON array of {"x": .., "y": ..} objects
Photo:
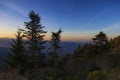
[{"x": 79, "y": 19}]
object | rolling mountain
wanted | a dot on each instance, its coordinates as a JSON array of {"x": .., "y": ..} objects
[{"x": 66, "y": 47}]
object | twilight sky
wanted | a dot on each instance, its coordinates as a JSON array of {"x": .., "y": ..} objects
[{"x": 79, "y": 19}]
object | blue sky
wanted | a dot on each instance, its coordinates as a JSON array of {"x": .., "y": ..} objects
[{"x": 79, "y": 19}]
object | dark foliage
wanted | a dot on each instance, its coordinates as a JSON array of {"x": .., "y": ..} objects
[
  {"x": 35, "y": 40},
  {"x": 55, "y": 47},
  {"x": 17, "y": 57},
  {"x": 87, "y": 62},
  {"x": 101, "y": 43}
]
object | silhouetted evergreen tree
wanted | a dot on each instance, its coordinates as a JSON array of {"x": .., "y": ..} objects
[
  {"x": 101, "y": 43},
  {"x": 17, "y": 57},
  {"x": 84, "y": 52},
  {"x": 55, "y": 49},
  {"x": 78, "y": 52},
  {"x": 100, "y": 39},
  {"x": 55, "y": 46},
  {"x": 35, "y": 40}
]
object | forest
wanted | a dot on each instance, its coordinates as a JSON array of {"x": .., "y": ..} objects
[{"x": 98, "y": 59}]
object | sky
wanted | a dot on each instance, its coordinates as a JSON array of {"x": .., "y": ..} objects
[{"x": 80, "y": 20}]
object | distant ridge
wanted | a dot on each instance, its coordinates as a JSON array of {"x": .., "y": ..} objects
[
  {"x": 5, "y": 42},
  {"x": 67, "y": 48}
]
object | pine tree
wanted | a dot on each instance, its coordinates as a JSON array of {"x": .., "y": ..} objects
[
  {"x": 55, "y": 46},
  {"x": 101, "y": 43},
  {"x": 17, "y": 57},
  {"x": 54, "y": 50},
  {"x": 100, "y": 39},
  {"x": 77, "y": 52},
  {"x": 35, "y": 40}
]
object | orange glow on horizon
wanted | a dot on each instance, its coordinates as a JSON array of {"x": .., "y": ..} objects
[
  {"x": 47, "y": 37},
  {"x": 6, "y": 35},
  {"x": 64, "y": 37}
]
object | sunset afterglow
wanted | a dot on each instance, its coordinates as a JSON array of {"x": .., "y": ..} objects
[{"x": 79, "y": 19}]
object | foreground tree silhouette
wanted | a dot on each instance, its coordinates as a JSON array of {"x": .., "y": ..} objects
[
  {"x": 55, "y": 40},
  {"x": 100, "y": 39},
  {"x": 17, "y": 57},
  {"x": 55, "y": 49},
  {"x": 101, "y": 43},
  {"x": 35, "y": 40}
]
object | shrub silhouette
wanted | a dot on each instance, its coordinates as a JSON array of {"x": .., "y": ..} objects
[{"x": 96, "y": 75}]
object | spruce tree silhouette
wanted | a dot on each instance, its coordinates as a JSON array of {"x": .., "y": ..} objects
[
  {"x": 17, "y": 57},
  {"x": 55, "y": 49},
  {"x": 101, "y": 43},
  {"x": 35, "y": 40},
  {"x": 100, "y": 39},
  {"x": 55, "y": 40}
]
